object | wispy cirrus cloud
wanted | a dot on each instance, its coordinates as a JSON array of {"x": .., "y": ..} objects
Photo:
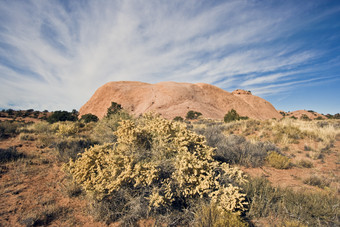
[{"x": 55, "y": 54}]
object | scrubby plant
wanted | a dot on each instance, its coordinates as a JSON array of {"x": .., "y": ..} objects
[
  {"x": 161, "y": 161},
  {"x": 61, "y": 116},
  {"x": 282, "y": 113},
  {"x": 86, "y": 118},
  {"x": 304, "y": 117},
  {"x": 278, "y": 161},
  {"x": 114, "y": 108},
  {"x": 232, "y": 115},
  {"x": 178, "y": 118},
  {"x": 65, "y": 128},
  {"x": 192, "y": 115}
]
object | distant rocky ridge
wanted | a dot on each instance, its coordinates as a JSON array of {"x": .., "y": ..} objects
[
  {"x": 172, "y": 99},
  {"x": 309, "y": 113}
]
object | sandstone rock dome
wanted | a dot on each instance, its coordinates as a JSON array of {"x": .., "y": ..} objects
[
  {"x": 172, "y": 99},
  {"x": 310, "y": 114}
]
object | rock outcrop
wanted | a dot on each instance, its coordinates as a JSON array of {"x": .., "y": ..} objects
[
  {"x": 309, "y": 113},
  {"x": 172, "y": 99}
]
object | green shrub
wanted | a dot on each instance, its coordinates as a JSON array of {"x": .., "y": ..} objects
[
  {"x": 160, "y": 162},
  {"x": 232, "y": 115},
  {"x": 61, "y": 116},
  {"x": 192, "y": 115},
  {"x": 113, "y": 109},
  {"x": 304, "y": 117},
  {"x": 86, "y": 118},
  {"x": 278, "y": 161},
  {"x": 178, "y": 118}
]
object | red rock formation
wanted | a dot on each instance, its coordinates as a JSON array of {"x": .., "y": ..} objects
[{"x": 172, "y": 99}]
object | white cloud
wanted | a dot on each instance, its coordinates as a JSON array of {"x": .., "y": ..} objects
[{"x": 54, "y": 56}]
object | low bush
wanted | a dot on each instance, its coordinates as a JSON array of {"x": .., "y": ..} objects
[
  {"x": 192, "y": 115},
  {"x": 61, "y": 116},
  {"x": 113, "y": 109},
  {"x": 86, "y": 118},
  {"x": 278, "y": 161},
  {"x": 178, "y": 118},
  {"x": 66, "y": 128},
  {"x": 159, "y": 166},
  {"x": 304, "y": 117},
  {"x": 232, "y": 115}
]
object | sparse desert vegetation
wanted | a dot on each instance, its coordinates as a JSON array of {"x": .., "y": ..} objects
[{"x": 149, "y": 171}]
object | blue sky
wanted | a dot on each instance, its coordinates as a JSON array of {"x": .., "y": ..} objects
[{"x": 55, "y": 54}]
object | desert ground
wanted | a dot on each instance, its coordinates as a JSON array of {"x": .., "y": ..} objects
[{"x": 291, "y": 168}]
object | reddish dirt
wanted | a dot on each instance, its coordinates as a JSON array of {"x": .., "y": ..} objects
[
  {"x": 30, "y": 185},
  {"x": 172, "y": 99},
  {"x": 327, "y": 168}
]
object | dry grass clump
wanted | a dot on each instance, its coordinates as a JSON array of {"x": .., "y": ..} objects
[
  {"x": 40, "y": 127},
  {"x": 103, "y": 131},
  {"x": 10, "y": 154},
  {"x": 65, "y": 128},
  {"x": 70, "y": 148},
  {"x": 235, "y": 149},
  {"x": 319, "y": 131},
  {"x": 208, "y": 215},
  {"x": 43, "y": 215},
  {"x": 278, "y": 161},
  {"x": 9, "y": 129},
  {"x": 159, "y": 166},
  {"x": 317, "y": 181},
  {"x": 305, "y": 163},
  {"x": 309, "y": 208}
]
